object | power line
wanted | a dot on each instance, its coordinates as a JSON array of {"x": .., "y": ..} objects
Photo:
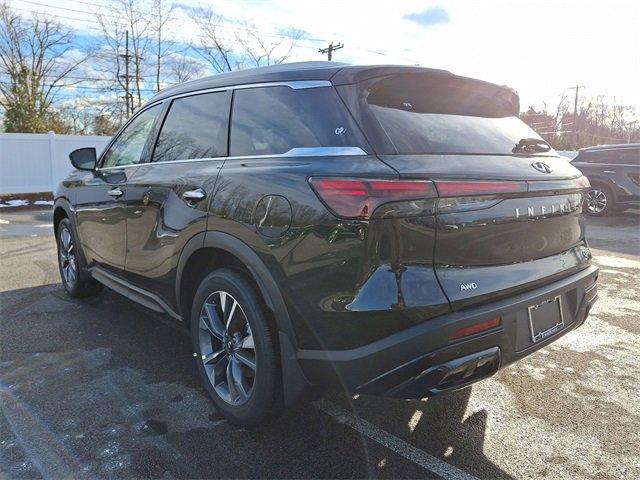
[
  {"x": 330, "y": 49},
  {"x": 145, "y": 14}
]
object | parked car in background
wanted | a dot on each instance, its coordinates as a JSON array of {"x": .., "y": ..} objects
[
  {"x": 614, "y": 174},
  {"x": 387, "y": 230}
]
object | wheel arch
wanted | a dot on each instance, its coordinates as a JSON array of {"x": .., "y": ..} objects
[
  {"x": 61, "y": 209},
  {"x": 205, "y": 244},
  {"x": 234, "y": 252}
]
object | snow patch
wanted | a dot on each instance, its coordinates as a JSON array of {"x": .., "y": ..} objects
[{"x": 14, "y": 203}]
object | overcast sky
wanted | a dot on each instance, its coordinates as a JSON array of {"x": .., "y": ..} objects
[{"x": 540, "y": 48}]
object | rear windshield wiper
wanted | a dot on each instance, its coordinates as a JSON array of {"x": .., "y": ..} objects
[{"x": 531, "y": 145}]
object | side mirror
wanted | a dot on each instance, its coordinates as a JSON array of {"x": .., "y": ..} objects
[{"x": 84, "y": 158}]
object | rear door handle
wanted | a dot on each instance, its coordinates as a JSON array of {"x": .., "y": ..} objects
[
  {"x": 608, "y": 171},
  {"x": 193, "y": 196},
  {"x": 115, "y": 192}
]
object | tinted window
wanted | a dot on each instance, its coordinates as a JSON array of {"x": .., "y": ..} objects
[
  {"x": 127, "y": 148},
  {"x": 627, "y": 156},
  {"x": 274, "y": 120},
  {"x": 195, "y": 127},
  {"x": 621, "y": 156},
  {"x": 586, "y": 157},
  {"x": 427, "y": 114}
]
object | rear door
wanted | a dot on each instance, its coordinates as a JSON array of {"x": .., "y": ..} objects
[
  {"x": 169, "y": 196},
  {"x": 509, "y": 213},
  {"x": 101, "y": 208},
  {"x": 625, "y": 165}
]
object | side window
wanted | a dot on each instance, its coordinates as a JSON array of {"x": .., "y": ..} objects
[
  {"x": 628, "y": 156},
  {"x": 195, "y": 127},
  {"x": 590, "y": 157},
  {"x": 127, "y": 148},
  {"x": 274, "y": 120}
]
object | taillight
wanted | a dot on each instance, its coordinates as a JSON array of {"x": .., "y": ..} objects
[
  {"x": 582, "y": 182},
  {"x": 455, "y": 188},
  {"x": 358, "y": 198}
]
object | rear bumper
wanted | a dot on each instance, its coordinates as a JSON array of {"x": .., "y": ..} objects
[{"x": 423, "y": 361}]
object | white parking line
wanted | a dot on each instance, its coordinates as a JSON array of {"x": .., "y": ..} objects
[{"x": 393, "y": 443}]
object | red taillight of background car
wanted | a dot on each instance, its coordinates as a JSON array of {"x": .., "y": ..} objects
[{"x": 358, "y": 198}]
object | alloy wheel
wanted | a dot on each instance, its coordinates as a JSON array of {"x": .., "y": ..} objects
[
  {"x": 68, "y": 264},
  {"x": 596, "y": 200},
  {"x": 227, "y": 348}
]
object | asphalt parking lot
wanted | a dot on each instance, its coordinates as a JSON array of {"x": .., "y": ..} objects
[{"x": 104, "y": 388}]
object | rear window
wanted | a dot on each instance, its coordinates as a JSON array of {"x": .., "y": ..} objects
[
  {"x": 275, "y": 120},
  {"x": 423, "y": 114}
]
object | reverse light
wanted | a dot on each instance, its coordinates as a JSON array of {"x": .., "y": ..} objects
[
  {"x": 476, "y": 328},
  {"x": 358, "y": 198}
]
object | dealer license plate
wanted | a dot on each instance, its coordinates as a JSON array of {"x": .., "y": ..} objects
[{"x": 545, "y": 319}]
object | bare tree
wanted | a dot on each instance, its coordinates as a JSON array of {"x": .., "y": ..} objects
[
  {"x": 264, "y": 49},
  {"x": 213, "y": 47},
  {"x": 164, "y": 46},
  {"x": 36, "y": 60},
  {"x": 183, "y": 68},
  {"x": 126, "y": 20}
]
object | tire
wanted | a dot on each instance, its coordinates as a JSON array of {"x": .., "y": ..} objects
[
  {"x": 227, "y": 341},
  {"x": 599, "y": 201},
  {"x": 73, "y": 270}
]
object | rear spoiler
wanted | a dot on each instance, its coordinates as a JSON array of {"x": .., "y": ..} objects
[{"x": 348, "y": 76}]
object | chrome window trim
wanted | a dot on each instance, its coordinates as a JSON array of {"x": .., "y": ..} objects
[
  {"x": 606, "y": 164},
  {"x": 299, "y": 152},
  {"x": 295, "y": 85}
]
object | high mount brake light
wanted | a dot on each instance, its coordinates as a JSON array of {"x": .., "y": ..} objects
[
  {"x": 358, "y": 198},
  {"x": 454, "y": 188}
]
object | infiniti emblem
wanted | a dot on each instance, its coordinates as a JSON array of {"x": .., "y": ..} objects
[{"x": 541, "y": 167}]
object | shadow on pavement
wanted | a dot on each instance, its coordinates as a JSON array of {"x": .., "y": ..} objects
[
  {"x": 615, "y": 233},
  {"x": 436, "y": 425},
  {"x": 101, "y": 388}
]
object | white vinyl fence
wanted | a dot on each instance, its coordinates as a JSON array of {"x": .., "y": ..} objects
[{"x": 34, "y": 162}]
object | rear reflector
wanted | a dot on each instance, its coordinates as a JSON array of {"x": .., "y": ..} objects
[
  {"x": 453, "y": 188},
  {"x": 476, "y": 328},
  {"x": 358, "y": 198}
]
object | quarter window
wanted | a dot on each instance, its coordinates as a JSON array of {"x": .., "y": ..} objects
[
  {"x": 127, "y": 148},
  {"x": 275, "y": 120},
  {"x": 195, "y": 127}
]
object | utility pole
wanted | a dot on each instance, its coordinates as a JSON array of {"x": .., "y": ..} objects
[
  {"x": 128, "y": 97},
  {"x": 330, "y": 49},
  {"x": 575, "y": 113}
]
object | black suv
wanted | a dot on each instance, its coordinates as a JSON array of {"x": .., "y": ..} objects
[
  {"x": 387, "y": 230},
  {"x": 614, "y": 174}
]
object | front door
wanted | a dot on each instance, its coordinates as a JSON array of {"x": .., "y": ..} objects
[
  {"x": 169, "y": 196},
  {"x": 102, "y": 202}
]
